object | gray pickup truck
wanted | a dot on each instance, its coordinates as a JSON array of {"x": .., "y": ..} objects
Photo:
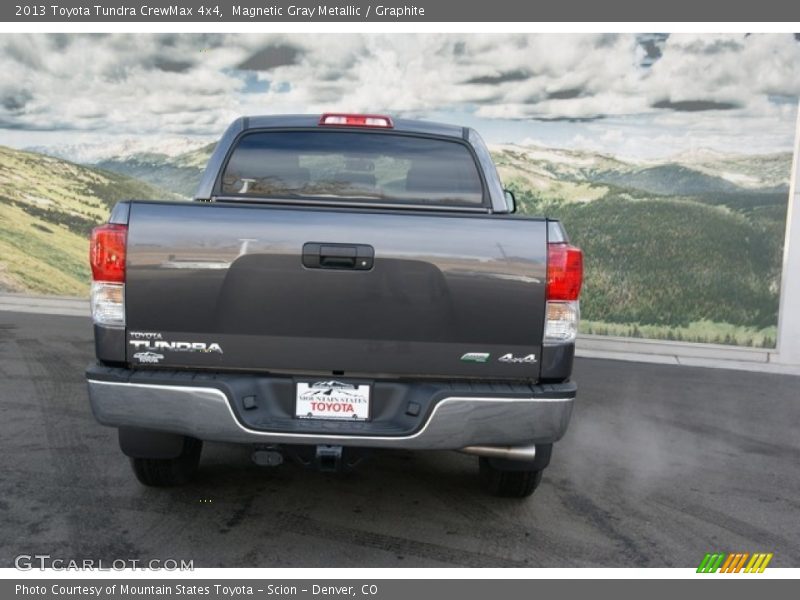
[{"x": 339, "y": 284}]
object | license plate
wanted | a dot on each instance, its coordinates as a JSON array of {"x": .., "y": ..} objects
[{"x": 332, "y": 400}]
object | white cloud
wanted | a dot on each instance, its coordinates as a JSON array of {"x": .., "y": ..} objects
[
  {"x": 189, "y": 84},
  {"x": 735, "y": 68}
]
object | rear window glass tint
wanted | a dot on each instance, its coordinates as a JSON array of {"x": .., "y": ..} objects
[{"x": 364, "y": 166}]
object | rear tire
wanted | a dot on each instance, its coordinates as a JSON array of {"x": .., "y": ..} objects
[
  {"x": 166, "y": 472},
  {"x": 514, "y": 479},
  {"x": 506, "y": 483}
]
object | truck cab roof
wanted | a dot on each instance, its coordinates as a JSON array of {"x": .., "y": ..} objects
[{"x": 466, "y": 135}]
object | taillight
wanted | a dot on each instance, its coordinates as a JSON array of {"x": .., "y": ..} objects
[
  {"x": 350, "y": 120},
  {"x": 107, "y": 251},
  {"x": 564, "y": 280},
  {"x": 564, "y": 272}
]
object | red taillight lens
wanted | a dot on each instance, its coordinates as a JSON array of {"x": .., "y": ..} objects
[
  {"x": 564, "y": 272},
  {"x": 349, "y": 120},
  {"x": 107, "y": 253}
]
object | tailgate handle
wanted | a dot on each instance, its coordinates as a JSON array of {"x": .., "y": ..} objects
[{"x": 354, "y": 257}]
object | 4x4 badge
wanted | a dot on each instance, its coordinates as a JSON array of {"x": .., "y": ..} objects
[
  {"x": 510, "y": 358},
  {"x": 476, "y": 357}
]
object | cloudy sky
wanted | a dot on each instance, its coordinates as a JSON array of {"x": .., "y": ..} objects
[{"x": 642, "y": 95}]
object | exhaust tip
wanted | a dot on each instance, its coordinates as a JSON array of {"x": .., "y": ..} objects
[{"x": 520, "y": 453}]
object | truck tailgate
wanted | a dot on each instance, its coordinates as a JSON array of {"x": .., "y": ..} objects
[{"x": 225, "y": 287}]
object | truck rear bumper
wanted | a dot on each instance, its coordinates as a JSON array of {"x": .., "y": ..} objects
[{"x": 453, "y": 420}]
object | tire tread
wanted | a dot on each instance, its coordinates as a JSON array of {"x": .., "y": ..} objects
[
  {"x": 168, "y": 472},
  {"x": 509, "y": 484}
]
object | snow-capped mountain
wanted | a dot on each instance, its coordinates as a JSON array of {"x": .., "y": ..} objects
[{"x": 123, "y": 149}]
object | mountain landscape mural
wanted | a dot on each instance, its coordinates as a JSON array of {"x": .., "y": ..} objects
[{"x": 668, "y": 157}]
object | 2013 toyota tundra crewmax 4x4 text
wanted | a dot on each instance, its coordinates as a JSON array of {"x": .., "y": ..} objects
[{"x": 339, "y": 284}]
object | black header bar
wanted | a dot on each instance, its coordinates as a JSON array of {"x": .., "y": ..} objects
[{"x": 220, "y": 11}]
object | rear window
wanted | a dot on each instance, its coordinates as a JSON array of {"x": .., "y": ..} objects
[{"x": 354, "y": 165}]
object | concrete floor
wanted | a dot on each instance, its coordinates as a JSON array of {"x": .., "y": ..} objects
[{"x": 661, "y": 465}]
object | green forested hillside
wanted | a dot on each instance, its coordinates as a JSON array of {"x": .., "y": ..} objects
[
  {"x": 47, "y": 209},
  {"x": 701, "y": 263},
  {"x": 672, "y": 262}
]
